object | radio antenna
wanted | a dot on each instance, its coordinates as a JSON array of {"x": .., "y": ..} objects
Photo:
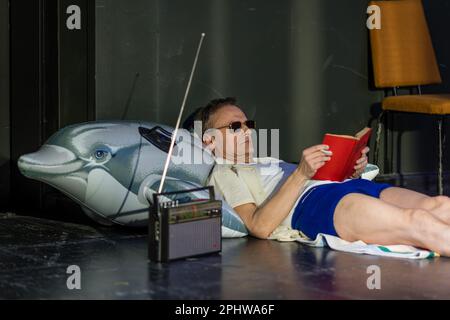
[{"x": 175, "y": 132}]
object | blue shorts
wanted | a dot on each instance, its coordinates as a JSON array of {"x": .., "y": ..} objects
[{"x": 314, "y": 213}]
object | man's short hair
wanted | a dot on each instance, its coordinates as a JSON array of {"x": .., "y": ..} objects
[
  {"x": 205, "y": 113},
  {"x": 212, "y": 107}
]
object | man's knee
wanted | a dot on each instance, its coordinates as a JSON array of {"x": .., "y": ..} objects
[
  {"x": 347, "y": 202},
  {"x": 442, "y": 201},
  {"x": 432, "y": 203},
  {"x": 418, "y": 220}
]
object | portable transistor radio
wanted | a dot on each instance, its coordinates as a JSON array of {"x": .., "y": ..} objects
[{"x": 184, "y": 228}]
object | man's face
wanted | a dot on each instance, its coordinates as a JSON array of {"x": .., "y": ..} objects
[{"x": 235, "y": 146}]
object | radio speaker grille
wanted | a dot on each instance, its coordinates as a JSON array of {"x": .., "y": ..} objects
[{"x": 195, "y": 237}]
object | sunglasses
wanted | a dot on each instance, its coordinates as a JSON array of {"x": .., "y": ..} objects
[{"x": 237, "y": 125}]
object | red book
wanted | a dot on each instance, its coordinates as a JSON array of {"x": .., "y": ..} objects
[{"x": 346, "y": 151}]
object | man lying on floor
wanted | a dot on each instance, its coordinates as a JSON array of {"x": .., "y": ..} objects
[{"x": 355, "y": 209}]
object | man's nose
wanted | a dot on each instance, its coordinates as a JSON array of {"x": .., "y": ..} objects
[{"x": 247, "y": 134}]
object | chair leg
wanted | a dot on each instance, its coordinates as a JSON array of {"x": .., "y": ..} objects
[
  {"x": 377, "y": 141},
  {"x": 398, "y": 162},
  {"x": 390, "y": 142},
  {"x": 440, "y": 178}
]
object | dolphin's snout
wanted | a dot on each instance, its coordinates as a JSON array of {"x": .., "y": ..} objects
[{"x": 50, "y": 159}]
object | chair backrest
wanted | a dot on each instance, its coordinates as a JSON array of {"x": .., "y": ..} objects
[{"x": 402, "y": 51}]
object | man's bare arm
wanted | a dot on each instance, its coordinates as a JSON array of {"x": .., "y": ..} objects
[{"x": 262, "y": 221}]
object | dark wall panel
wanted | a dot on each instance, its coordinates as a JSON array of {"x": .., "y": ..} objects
[
  {"x": 26, "y": 97},
  {"x": 4, "y": 105},
  {"x": 245, "y": 54},
  {"x": 300, "y": 66},
  {"x": 75, "y": 102}
]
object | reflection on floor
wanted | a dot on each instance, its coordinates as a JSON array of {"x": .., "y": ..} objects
[{"x": 35, "y": 255}]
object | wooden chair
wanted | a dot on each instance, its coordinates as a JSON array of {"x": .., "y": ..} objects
[{"x": 403, "y": 56}]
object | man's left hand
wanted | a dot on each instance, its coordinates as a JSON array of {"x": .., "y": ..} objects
[{"x": 361, "y": 164}]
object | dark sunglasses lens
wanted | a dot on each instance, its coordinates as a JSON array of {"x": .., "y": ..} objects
[
  {"x": 236, "y": 126},
  {"x": 250, "y": 124}
]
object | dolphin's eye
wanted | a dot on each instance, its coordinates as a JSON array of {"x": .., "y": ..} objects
[{"x": 100, "y": 154}]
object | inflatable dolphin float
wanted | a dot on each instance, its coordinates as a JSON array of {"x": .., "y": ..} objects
[{"x": 112, "y": 169}]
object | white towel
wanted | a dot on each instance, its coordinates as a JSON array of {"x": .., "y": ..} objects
[{"x": 287, "y": 234}]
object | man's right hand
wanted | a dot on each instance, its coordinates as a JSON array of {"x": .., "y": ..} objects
[{"x": 312, "y": 160}]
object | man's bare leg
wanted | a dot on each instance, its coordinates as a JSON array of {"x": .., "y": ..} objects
[
  {"x": 361, "y": 217},
  {"x": 439, "y": 206}
]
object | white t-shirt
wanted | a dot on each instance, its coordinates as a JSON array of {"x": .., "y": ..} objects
[{"x": 240, "y": 184}]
